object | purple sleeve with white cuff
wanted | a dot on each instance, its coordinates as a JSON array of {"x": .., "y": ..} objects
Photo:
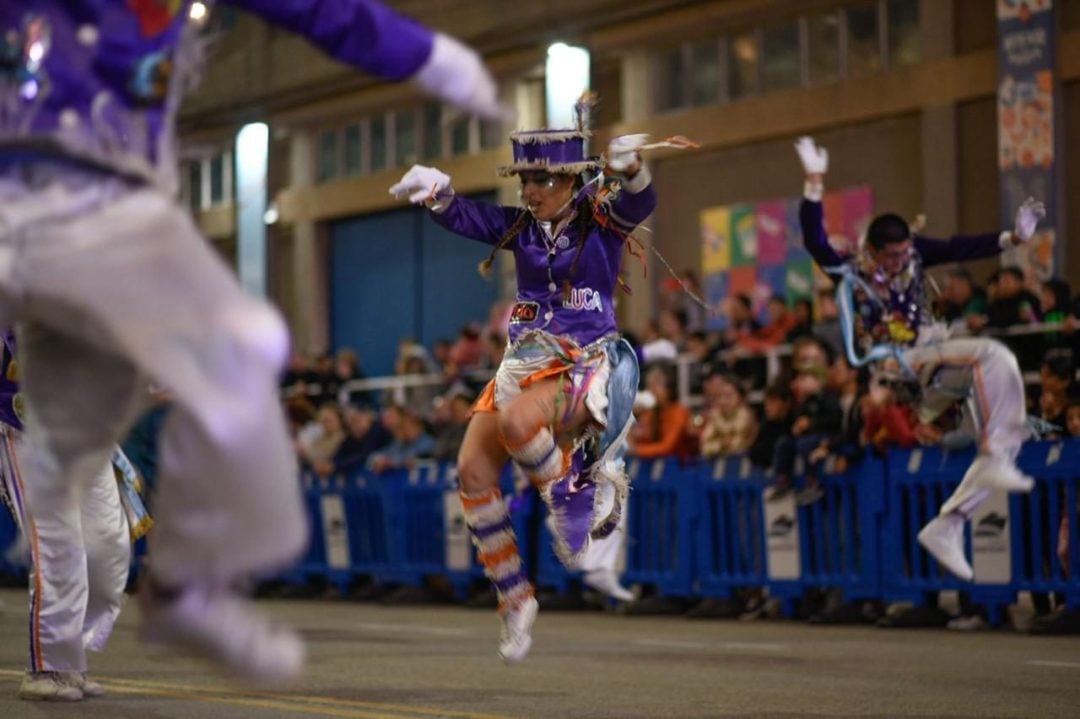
[{"x": 362, "y": 33}]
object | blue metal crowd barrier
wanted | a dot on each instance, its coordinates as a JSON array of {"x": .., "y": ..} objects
[
  {"x": 731, "y": 533},
  {"x": 707, "y": 529},
  {"x": 662, "y": 515}
]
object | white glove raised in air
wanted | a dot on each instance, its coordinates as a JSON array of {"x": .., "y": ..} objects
[
  {"x": 1027, "y": 218},
  {"x": 456, "y": 74},
  {"x": 623, "y": 151},
  {"x": 815, "y": 159},
  {"x": 422, "y": 184}
]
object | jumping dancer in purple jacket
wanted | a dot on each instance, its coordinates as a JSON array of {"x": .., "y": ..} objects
[
  {"x": 560, "y": 404},
  {"x": 886, "y": 317}
]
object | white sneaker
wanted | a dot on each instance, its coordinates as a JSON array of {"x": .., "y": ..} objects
[
  {"x": 225, "y": 628},
  {"x": 943, "y": 537},
  {"x": 604, "y": 580},
  {"x": 49, "y": 687},
  {"x": 967, "y": 624},
  {"x": 89, "y": 688},
  {"x": 516, "y": 638},
  {"x": 994, "y": 472}
]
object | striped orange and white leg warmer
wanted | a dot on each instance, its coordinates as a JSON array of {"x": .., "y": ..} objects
[
  {"x": 540, "y": 457},
  {"x": 496, "y": 545}
]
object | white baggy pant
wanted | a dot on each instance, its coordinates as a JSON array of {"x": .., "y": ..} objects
[
  {"x": 113, "y": 285},
  {"x": 997, "y": 401},
  {"x": 80, "y": 552}
]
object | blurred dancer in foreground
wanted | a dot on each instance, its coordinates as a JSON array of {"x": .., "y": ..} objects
[{"x": 112, "y": 285}]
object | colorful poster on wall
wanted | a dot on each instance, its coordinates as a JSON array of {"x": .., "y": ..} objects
[
  {"x": 715, "y": 239},
  {"x": 1026, "y": 126},
  {"x": 757, "y": 250},
  {"x": 743, "y": 236}
]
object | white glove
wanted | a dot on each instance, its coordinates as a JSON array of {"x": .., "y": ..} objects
[
  {"x": 815, "y": 159},
  {"x": 623, "y": 151},
  {"x": 456, "y": 74},
  {"x": 422, "y": 184},
  {"x": 1027, "y": 218}
]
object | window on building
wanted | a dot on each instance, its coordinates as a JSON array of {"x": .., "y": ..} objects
[
  {"x": 378, "y": 143},
  {"x": 780, "y": 57},
  {"x": 354, "y": 148},
  {"x": 670, "y": 80},
  {"x": 217, "y": 179},
  {"x": 904, "y": 45},
  {"x": 405, "y": 137},
  {"x": 492, "y": 134},
  {"x": 863, "y": 40},
  {"x": 823, "y": 48},
  {"x": 742, "y": 65},
  {"x": 705, "y": 73},
  {"x": 327, "y": 167},
  {"x": 194, "y": 186},
  {"x": 459, "y": 136},
  {"x": 432, "y": 131}
]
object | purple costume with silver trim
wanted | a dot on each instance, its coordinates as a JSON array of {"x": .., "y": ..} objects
[
  {"x": 100, "y": 80},
  {"x": 543, "y": 263},
  {"x": 905, "y": 302}
]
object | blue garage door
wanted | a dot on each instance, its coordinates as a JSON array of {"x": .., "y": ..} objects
[{"x": 398, "y": 274}]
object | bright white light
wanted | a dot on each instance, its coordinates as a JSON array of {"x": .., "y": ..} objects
[
  {"x": 252, "y": 153},
  {"x": 270, "y": 217},
  {"x": 198, "y": 11},
  {"x": 37, "y": 51},
  {"x": 566, "y": 78}
]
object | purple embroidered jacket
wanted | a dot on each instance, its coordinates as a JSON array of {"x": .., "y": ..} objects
[
  {"x": 905, "y": 306},
  {"x": 100, "y": 80},
  {"x": 588, "y": 314}
]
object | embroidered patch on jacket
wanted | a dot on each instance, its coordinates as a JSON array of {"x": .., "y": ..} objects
[{"x": 525, "y": 312}]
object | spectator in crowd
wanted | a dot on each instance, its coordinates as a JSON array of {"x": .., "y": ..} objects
[
  {"x": 467, "y": 354},
  {"x": 781, "y": 322},
  {"x": 674, "y": 294},
  {"x": 413, "y": 360},
  {"x": 440, "y": 355},
  {"x": 775, "y": 425},
  {"x": 1057, "y": 373},
  {"x": 347, "y": 369},
  {"x": 888, "y": 422},
  {"x": 364, "y": 436},
  {"x": 655, "y": 347},
  {"x": 741, "y": 324},
  {"x": 1072, "y": 416},
  {"x": 697, "y": 346},
  {"x": 1054, "y": 300},
  {"x": 672, "y": 325},
  {"x": 451, "y": 418},
  {"x": 410, "y": 443},
  {"x": 296, "y": 375},
  {"x": 728, "y": 425},
  {"x": 1012, "y": 305},
  {"x": 803, "y": 313},
  {"x": 845, "y": 447},
  {"x": 816, "y": 417},
  {"x": 323, "y": 384},
  {"x": 827, "y": 329},
  {"x": 809, "y": 353},
  {"x": 321, "y": 444},
  {"x": 669, "y": 420},
  {"x": 964, "y": 305},
  {"x": 1052, "y": 407}
]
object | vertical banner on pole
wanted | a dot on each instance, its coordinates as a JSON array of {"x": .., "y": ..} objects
[{"x": 1027, "y": 144}]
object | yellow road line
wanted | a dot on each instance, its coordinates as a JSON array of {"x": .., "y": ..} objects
[{"x": 347, "y": 708}]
